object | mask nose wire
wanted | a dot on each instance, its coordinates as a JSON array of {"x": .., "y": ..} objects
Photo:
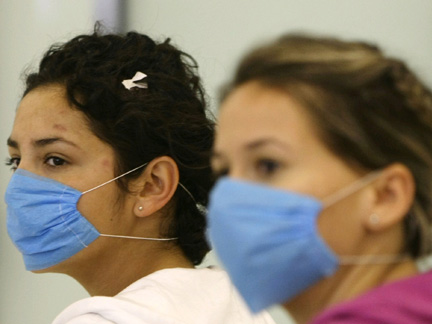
[{"x": 351, "y": 188}]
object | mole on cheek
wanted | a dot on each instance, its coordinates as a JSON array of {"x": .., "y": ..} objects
[{"x": 106, "y": 163}]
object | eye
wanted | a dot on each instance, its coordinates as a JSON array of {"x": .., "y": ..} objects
[
  {"x": 13, "y": 162},
  {"x": 267, "y": 166},
  {"x": 55, "y": 161}
]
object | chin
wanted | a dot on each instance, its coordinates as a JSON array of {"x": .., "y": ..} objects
[
  {"x": 57, "y": 268},
  {"x": 39, "y": 271}
]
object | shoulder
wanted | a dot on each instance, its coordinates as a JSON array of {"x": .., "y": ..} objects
[
  {"x": 186, "y": 284},
  {"x": 109, "y": 310},
  {"x": 170, "y": 296},
  {"x": 405, "y": 301}
]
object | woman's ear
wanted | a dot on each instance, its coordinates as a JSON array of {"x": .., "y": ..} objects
[
  {"x": 156, "y": 186},
  {"x": 394, "y": 195}
]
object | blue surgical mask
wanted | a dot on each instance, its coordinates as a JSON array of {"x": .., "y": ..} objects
[
  {"x": 268, "y": 241},
  {"x": 43, "y": 220}
]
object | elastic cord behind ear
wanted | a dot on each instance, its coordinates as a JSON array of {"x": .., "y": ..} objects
[
  {"x": 140, "y": 238},
  {"x": 200, "y": 207}
]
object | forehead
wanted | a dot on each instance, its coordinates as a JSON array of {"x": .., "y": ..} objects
[
  {"x": 45, "y": 110},
  {"x": 253, "y": 111}
]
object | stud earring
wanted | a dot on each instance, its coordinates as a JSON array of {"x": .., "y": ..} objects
[
  {"x": 140, "y": 208},
  {"x": 374, "y": 219}
]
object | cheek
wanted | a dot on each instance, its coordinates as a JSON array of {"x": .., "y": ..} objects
[
  {"x": 341, "y": 227},
  {"x": 101, "y": 207}
]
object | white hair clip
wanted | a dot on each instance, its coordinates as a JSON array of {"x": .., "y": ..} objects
[{"x": 130, "y": 83}]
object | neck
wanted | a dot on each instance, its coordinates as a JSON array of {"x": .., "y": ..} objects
[
  {"x": 115, "y": 269},
  {"x": 349, "y": 282}
]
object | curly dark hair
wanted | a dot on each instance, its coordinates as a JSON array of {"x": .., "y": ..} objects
[{"x": 169, "y": 118}]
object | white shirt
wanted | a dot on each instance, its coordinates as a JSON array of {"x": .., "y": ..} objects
[{"x": 169, "y": 296}]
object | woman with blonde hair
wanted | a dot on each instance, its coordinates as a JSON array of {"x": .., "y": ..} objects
[{"x": 325, "y": 201}]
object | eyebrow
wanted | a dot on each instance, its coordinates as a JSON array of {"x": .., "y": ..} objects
[
  {"x": 254, "y": 145},
  {"x": 266, "y": 141},
  {"x": 42, "y": 142}
]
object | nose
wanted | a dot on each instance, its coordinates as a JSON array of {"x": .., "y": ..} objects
[{"x": 25, "y": 164}]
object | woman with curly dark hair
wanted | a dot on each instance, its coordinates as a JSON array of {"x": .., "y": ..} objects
[{"x": 110, "y": 148}]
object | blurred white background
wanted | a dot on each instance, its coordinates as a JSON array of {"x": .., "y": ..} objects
[{"x": 216, "y": 33}]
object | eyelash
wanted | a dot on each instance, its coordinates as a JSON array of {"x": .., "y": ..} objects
[
  {"x": 271, "y": 166},
  {"x": 63, "y": 161},
  {"x": 263, "y": 167},
  {"x": 14, "y": 162}
]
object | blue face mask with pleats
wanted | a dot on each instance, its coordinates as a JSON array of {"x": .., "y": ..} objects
[
  {"x": 43, "y": 220},
  {"x": 268, "y": 240}
]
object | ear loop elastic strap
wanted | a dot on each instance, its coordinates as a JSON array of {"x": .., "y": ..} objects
[
  {"x": 364, "y": 259},
  {"x": 136, "y": 237},
  {"x": 140, "y": 238},
  {"x": 118, "y": 177},
  {"x": 352, "y": 188},
  {"x": 372, "y": 259}
]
